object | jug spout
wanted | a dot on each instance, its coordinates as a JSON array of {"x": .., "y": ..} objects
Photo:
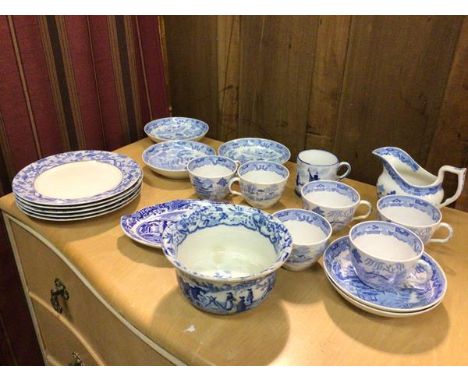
[{"x": 396, "y": 157}]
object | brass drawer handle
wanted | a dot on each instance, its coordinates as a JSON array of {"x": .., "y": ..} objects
[
  {"x": 59, "y": 290},
  {"x": 76, "y": 360}
]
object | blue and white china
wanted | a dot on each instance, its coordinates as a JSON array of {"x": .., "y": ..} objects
[
  {"x": 175, "y": 129},
  {"x": 335, "y": 201},
  {"x": 79, "y": 216},
  {"x": 337, "y": 261},
  {"x": 244, "y": 150},
  {"x": 310, "y": 233},
  {"x": 76, "y": 178},
  {"x": 416, "y": 214},
  {"x": 403, "y": 176},
  {"x": 147, "y": 225},
  {"x": 385, "y": 255},
  {"x": 226, "y": 256},
  {"x": 261, "y": 183},
  {"x": 171, "y": 158},
  {"x": 210, "y": 176},
  {"x": 318, "y": 165}
]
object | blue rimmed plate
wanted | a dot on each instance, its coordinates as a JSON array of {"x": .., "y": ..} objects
[
  {"x": 338, "y": 267},
  {"x": 76, "y": 178},
  {"x": 176, "y": 128},
  {"x": 147, "y": 225},
  {"x": 170, "y": 158},
  {"x": 249, "y": 149}
]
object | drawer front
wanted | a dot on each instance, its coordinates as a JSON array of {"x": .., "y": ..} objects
[
  {"x": 61, "y": 344},
  {"x": 115, "y": 343}
]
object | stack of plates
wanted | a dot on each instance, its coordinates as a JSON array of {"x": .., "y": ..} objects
[
  {"x": 404, "y": 302},
  {"x": 77, "y": 185}
]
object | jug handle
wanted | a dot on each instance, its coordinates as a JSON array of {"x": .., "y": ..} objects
[{"x": 461, "y": 181}]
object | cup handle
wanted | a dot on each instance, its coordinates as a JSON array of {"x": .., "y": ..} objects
[
  {"x": 414, "y": 282},
  {"x": 449, "y": 229},
  {"x": 231, "y": 182},
  {"x": 347, "y": 171},
  {"x": 366, "y": 215}
]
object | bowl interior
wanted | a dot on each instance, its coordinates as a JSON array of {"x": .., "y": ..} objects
[
  {"x": 409, "y": 211},
  {"x": 225, "y": 241},
  {"x": 386, "y": 241}
]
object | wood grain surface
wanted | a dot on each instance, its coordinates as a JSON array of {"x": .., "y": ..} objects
[
  {"x": 303, "y": 322},
  {"x": 348, "y": 84}
]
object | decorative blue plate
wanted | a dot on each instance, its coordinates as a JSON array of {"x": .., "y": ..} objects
[
  {"x": 23, "y": 183},
  {"x": 147, "y": 225},
  {"x": 249, "y": 149},
  {"x": 338, "y": 267},
  {"x": 171, "y": 158},
  {"x": 176, "y": 128}
]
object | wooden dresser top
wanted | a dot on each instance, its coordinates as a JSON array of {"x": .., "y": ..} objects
[{"x": 303, "y": 322}]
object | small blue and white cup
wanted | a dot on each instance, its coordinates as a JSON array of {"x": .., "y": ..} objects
[
  {"x": 416, "y": 214},
  {"x": 310, "y": 233},
  {"x": 387, "y": 256},
  {"x": 261, "y": 182},
  {"x": 335, "y": 201},
  {"x": 318, "y": 165},
  {"x": 210, "y": 176}
]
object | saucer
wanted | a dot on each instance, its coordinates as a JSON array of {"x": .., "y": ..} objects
[
  {"x": 147, "y": 225},
  {"x": 251, "y": 149},
  {"x": 338, "y": 267},
  {"x": 176, "y": 128},
  {"x": 171, "y": 158},
  {"x": 380, "y": 312}
]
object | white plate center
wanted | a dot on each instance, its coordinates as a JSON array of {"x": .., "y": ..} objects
[{"x": 78, "y": 180}]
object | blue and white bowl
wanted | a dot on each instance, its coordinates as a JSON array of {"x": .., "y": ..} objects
[
  {"x": 176, "y": 128},
  {"x": 210, "y": 176},
  {"x": 385, "y": 255},
  {"x": 416, "y": 214},
  {"x": 226, "y": 256},
  {"x": 335, "y": 201},
  {"x": 261, "y": 183},
  {"x": 310, "y": 234},
  {"x": 171, "y": 158},
  {"x": 243, "y": 150}
]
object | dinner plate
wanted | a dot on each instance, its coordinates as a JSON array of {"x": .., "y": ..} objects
[
  {"x": 380, "y": 312},
  {"x": 70, "y": 213},
  {"x": 81, "y": 217},
  {"x": 338, "y": 267},
  {"x": 249, "y": 149},
  {"x": 147, "y": 225},
  {"x": 76, "y": 177},
  {"x": 170, "y": 158},
  {"x": 176, "y": 128},
  {"x": 80, "y": 207}
]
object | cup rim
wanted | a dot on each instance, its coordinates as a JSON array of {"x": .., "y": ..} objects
[
  {"x": 416, "y": 257},
  {"x": 318, "y": 165},
  {"x": 212, "y": 177},
  {"x": 285, "y": 179},
  {"x": 380, "y": 211},
  {"x": 311, "y": 213},
  {"x": 328, "y": 206}
]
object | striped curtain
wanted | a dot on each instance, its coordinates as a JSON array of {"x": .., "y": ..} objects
[{"x": 68, "y": 83}]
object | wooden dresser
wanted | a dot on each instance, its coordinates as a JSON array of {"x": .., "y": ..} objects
[{"x": 98, "y": 298}]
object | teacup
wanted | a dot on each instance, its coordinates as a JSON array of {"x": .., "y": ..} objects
[
  {"x": 261, "y": 182},
  {"x": 335, "y": 201},
  {"x": 385, "y": 255},
  {"x": 416, "y": 214},
  {"x": 318, "y": 165},
  {"x": 310, "y": 233},
  {"x": 210, "y": 176}
]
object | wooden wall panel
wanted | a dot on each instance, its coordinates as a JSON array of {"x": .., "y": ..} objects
[
  {"x": 347, "y": 84},
  {"x": 276, "y": 76},
  {"x": 192, "y": 60}
]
